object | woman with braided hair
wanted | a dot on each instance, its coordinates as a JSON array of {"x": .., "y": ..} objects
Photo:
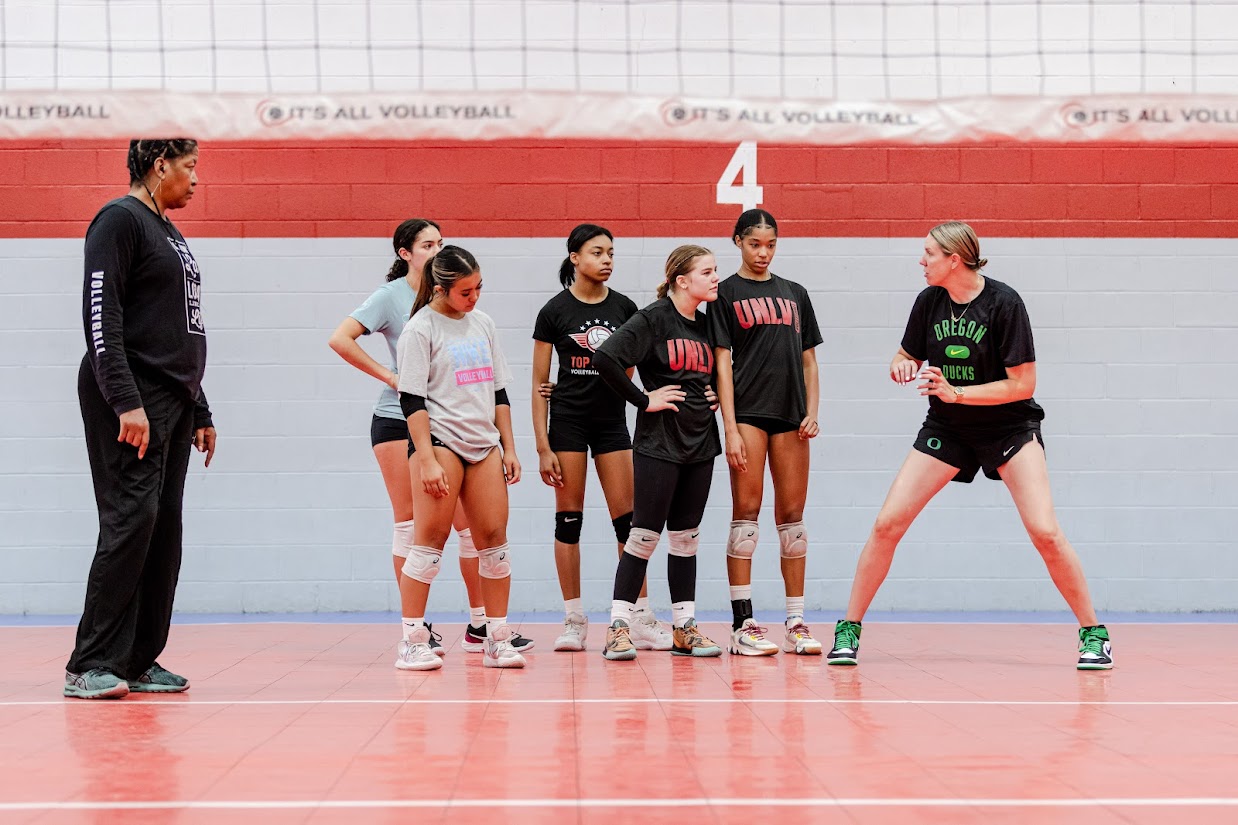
[{"x": 140, "y": 390}]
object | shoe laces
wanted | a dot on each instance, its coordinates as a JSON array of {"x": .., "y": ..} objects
[
  {"x": 845, "y": 636},
  {"x": 799, "y": 630},
  {"x": 694, "y": 638},
  {"x": 1092, "y": 642},
  {"x": 755, "y": 631}
]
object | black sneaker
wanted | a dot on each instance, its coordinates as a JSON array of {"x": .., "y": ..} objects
[
  {"x": 474, "y": 640},
  {"x": 436, "y": 641},
  {"x": 846, "y": 644},
  {"x": 1095, "y": 651}
]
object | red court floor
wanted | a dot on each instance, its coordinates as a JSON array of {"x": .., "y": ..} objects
[{"x": 943, "y": 723}]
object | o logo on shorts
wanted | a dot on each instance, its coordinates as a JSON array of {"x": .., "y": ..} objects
[{"x": 934, "y": 443}]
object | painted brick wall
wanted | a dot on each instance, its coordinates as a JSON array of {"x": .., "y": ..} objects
[{"x": 1125, "y": 257}]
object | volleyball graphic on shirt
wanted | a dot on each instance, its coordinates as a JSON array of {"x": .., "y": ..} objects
[{"x": 592, "y": 334}]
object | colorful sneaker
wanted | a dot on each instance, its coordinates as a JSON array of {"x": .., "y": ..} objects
[
  {"x": 95, "y": 684},
  {"x": 436, "y": 641},
  {"x": 1095, "y": 651},
  {"x": 689, "y": 641},
  {"x": 156, "y": 679},
  {"x": 749, "y": 640},
  {"x": 846, "y": 644},
  {"x": 799, "y": 639},
  {"x": 648, "y": 633},
  {"x": 500, "y": 650},
  {"x": 575, "y": 631},
  {"x": 414, "y": 653},
  {"x": 474, "y": 640},
  {"x": 619, "y": 645}
]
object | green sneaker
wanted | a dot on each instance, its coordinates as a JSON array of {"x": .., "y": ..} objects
[
  {"x": 846, "y": 644},
  {"x": 158, "y": 680},
  {"x": 1095, "y": 651},
  {"x": 95, "y": 684}
]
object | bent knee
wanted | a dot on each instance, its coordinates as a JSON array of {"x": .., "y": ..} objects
[
  {"x": 1047, "y": 538},
  {"x": 890, "y": 527}
]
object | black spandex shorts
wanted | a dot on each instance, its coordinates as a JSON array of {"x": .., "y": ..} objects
[
  {"x": 576, "y": 435},
  {"x": 434, "y": 442},
  {"x": 383, "y": 430},
  {"x": 772, "y": 426},
  {"x": 974, "y": 451}
]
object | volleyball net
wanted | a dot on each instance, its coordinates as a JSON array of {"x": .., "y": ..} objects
[{"x": 797, "y": 71}]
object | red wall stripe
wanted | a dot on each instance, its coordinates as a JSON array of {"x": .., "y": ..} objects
[{"x": 50, "y": 189}]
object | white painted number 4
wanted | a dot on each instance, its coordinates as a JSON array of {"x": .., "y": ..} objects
[{"x": 744, "y": 162}]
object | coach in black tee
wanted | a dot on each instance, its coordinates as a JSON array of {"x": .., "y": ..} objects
[
  {"x": 972, "y": 337},
  {"x": 142, "y": 379}
]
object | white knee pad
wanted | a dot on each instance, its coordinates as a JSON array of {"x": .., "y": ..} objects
[
  {"x": 468, "y": 550},
  {"x": 402, "y": 538},
  {"x": 494, "y": 563},
  {"x": 422, "y": 563},
  {"x": 685, "y": 542},
  {"x": 641, "y": 542},
  {"x": 742, "y": 542},
  {"x": 793, "y": 540}
]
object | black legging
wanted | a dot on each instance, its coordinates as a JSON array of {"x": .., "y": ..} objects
[{"x": 667, "y": 495}]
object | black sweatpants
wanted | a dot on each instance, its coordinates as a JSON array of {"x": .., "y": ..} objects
[
  {"x": 667, "y": 495},
  {"x": 132, "y": 582}
]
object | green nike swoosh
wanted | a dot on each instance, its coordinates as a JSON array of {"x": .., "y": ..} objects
[{"x": 957, "y": 352}]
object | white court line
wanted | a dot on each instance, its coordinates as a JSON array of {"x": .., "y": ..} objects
[
  {"x": 414, "y": 700},
  {"x": 678, "y": 802}
]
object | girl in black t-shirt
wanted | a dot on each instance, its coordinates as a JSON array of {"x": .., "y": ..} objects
[
  {"x": 675, "y": 445},
  {"x": 585, "y": 415},
  {"x": 764, "y": 333},
  {"x": 981, "y": 416}
]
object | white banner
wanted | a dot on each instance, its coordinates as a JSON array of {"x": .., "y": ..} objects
[{"x": 543, "y": 115}]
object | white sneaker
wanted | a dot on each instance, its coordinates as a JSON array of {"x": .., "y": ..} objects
[
  {"x": 799, "y": 639},
  {"x": 414, "y": 653},
  {"x": 648, "y": 633},
  {"x": 499, "y": 651},
  {"x": 749, "y": 640},
  {"x": 575, "y": 630}
]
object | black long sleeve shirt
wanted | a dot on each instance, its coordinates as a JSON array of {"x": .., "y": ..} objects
[{"x": 142, "y": 307}]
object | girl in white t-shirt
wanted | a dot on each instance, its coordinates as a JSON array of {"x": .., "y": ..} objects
[{"x": 453, "y": 391}]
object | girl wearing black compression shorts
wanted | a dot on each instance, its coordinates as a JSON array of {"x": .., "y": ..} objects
[
  {"x": 585, "y": 415},
  {"x": 675, "y": 445},
  {"x": 765, "y": 333},
  {"x": 976, "y": 332},
  {"x": 453, "y": 382}
]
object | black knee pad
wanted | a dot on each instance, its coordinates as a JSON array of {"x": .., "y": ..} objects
[
  {"x": 623, "y": 526},
  {"x": 567, "y": 526}
]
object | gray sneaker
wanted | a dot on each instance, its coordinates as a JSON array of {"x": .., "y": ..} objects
[
  {"x": 95, "y": 684},
  {"x": 158, "y": 680}
]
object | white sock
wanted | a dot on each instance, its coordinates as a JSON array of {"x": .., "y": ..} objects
[
  {"x": 493, "y": 623},
  {"x": 741, "y": 591},
  {"x": 795, "y": 608},
  {"x": 619, "y": 609},
  {"x": 477, "y": 616},
  {"x": 571, "y": 606},
  {"x": 682, "y": 611},
  {"x": 411, "y": 624},
  {"x": 642, "y": 604}
]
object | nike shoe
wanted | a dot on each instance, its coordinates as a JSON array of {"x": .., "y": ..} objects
[
  {"x": 690, "y": 641},
  {"x": 1095, "y": 650},
  {"x": 575, "y": 630},
  {"x": 648, "y": 633},
  {"x": 749, "y": 640},
  {"x": 799, "y": 639},
  {"x": 846, "y": 644},
  {"x": 414, "y": 653},
  {"x": 499, "y": 650},
  {"x": 436, "y": 641},
  {"x": 95, "y": 684},
  {"x": 474, "y": 640},
  {"x": 619, "y": 645},
  {"x": 157, "y": 679}
]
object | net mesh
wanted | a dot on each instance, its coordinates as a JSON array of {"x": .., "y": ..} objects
[{"x": 791, "y": 49}]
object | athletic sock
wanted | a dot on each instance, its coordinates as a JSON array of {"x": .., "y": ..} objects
[
  {"x": 642, "y": 604},
  {"x": 621, "y": 610},
  {"x": 795, "y": 608},
  {"x": 571, "y": 606},
  {"x": 493, "y": 623},
  {"x": 409, "y": 625},
  {"x": 681, "y": 612},
  {"x": 477, "y": 616},
  {"x": 741, "y": 604}
]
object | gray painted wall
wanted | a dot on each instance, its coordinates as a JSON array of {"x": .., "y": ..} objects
[{"x": 1136, "y": 343}]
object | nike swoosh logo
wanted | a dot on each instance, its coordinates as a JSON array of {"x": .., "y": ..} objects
[
  {"x": 957, "y": 352},
  {"x": 1007, "y": 451},
  {"x": 646, "y": 539},
  {"x": 569, "y": 520},
  {"x": 694, "y": 535}
]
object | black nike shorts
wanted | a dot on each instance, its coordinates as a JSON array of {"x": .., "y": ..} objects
[
  {"x": 771, "y": 426},
  {"x": 383, "y": 430},
  {"x": 578, "y": 435},
  {"x": 972, "y": 451}
]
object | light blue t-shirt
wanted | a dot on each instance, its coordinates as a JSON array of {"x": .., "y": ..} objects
[{"x": 386, "y": 311}]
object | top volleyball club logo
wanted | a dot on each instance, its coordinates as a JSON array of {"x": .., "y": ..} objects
[{"x": 592, "y": 334}]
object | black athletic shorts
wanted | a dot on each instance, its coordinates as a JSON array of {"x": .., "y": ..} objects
[
  {"x": 771, "y": 426},
  {"x": 973, "y": 451},
  {"x": 578, "y": 435},
  {"x": 383, "y": 430},
  {"x": 434, "y": 442}
]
